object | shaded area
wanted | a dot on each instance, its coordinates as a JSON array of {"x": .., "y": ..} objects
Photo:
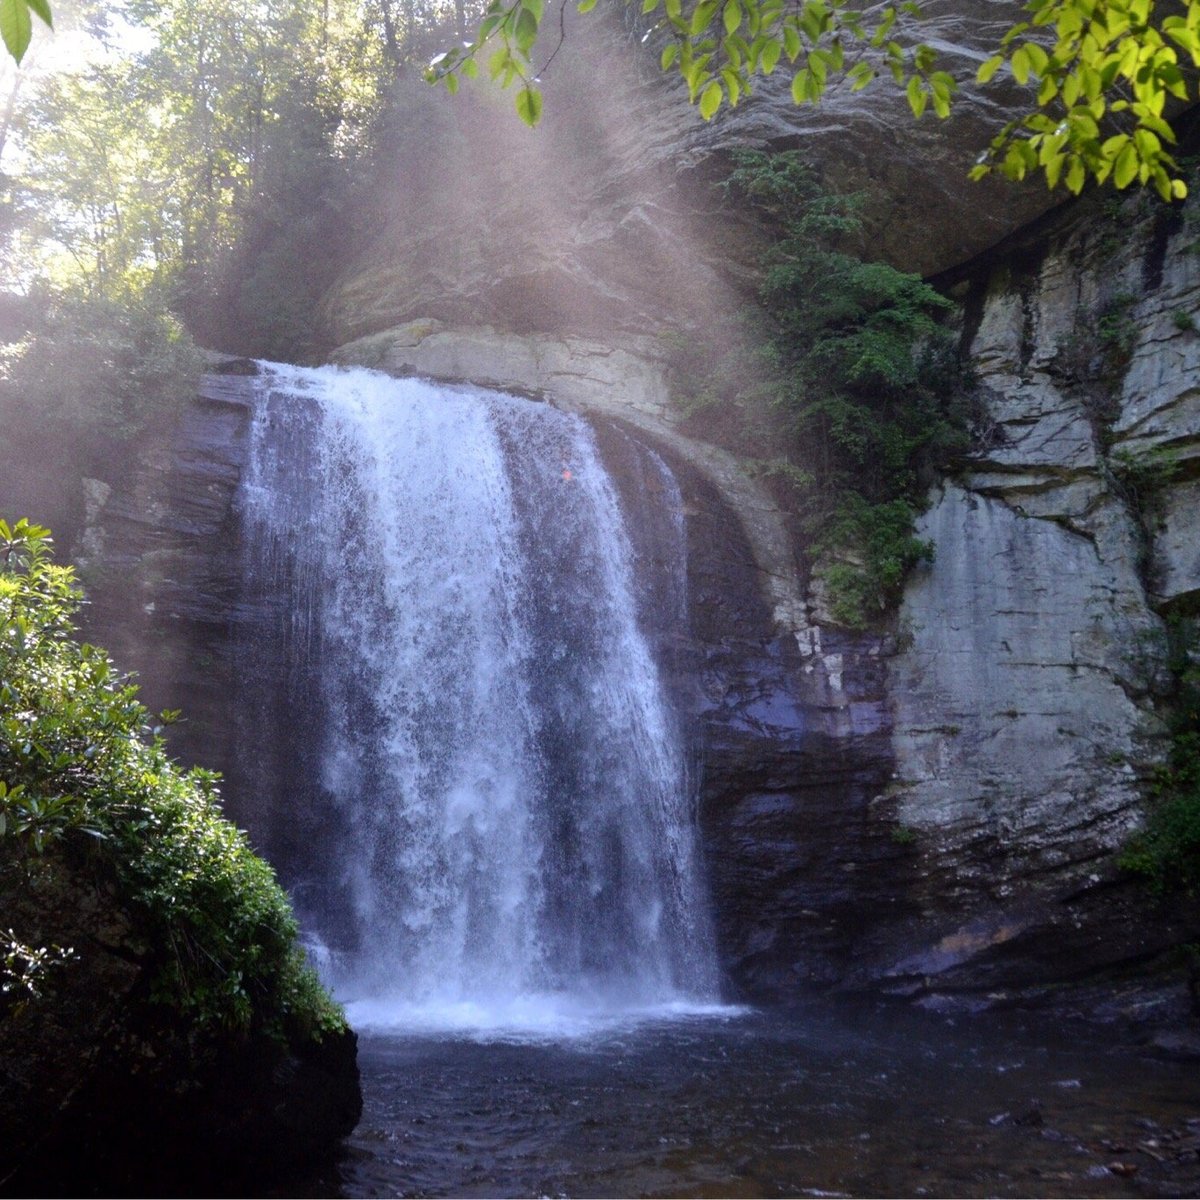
[{"x": 860, "y": 1100}]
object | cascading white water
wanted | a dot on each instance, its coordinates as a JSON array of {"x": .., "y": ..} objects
[{"x": 515, "y": 833}]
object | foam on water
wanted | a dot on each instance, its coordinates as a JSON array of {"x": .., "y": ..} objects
[{"x": 544, "y": 1018}]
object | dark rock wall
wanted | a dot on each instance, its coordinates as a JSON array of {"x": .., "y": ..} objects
[
  {"x": 786, "y": 784},
  {"x": 937, "y": 810}
]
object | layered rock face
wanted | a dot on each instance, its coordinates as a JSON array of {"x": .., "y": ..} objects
[
  {"x": 791, "y": 722},
  {"x": 940, "y": 810},
  {"x": 606, "y": 222},
  {"x": 1028, "y": 694},
  {"x": 933, "y": 810},
  {"x": 103, "y": 1087}
]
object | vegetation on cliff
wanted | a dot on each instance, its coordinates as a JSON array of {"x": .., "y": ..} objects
[
  {"x": 83, "y": 774},
  {"x": 153, "y": 165},
  {"x": 840, "y": 380},
  {"x": 91, "y": 371},
  {"x": 1167, "y": 851}
]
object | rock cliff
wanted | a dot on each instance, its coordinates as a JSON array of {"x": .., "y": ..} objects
[
  {"x": 934, "y": 810},
  {"x": 606, "y": 222}
]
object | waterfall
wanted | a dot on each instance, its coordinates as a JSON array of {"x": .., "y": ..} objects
[{"x": 511, "y": 826}]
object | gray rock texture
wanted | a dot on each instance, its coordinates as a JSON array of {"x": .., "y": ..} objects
[
  {"x": 936, "y": 810},
  {"x": 1028, "y": 695},
  {"x": 590, "y": 377},
  {"x": 606, "y": 220}
]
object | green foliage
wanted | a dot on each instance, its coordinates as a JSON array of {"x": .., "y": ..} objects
[
  {"x": 1167, "y": 851},
  {"x": 1102, "y": 73},
  {"x": 1116, "y": 330},
  {"x": 880, "y": 537},
  {"x": 92, "y": 366},
  {"x": 139, "y": 169},
  {"x": 16, "y": 23},
  {"x": 78, "y": 757},
  {"x": 1144, "y": 479},
  {"x": 24, "y": 970},
  {"x": 1098, "y": 73},
  {"x": 845, "y": 366}
]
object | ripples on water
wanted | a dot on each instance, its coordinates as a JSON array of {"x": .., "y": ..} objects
[{"x": 815, "y": 1102}]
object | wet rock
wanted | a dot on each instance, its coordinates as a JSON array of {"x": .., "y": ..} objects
[
  {"x": 1031, "y": 1117},
  {"x": 1179, "y": 1045}
]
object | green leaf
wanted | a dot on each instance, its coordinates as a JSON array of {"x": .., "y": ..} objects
[
  {"x": 917, "y": 97},
  {"x": 1126, "y": 166},
  {"x": 527, "y": 31},
  {"x": 702, "y": 17},
  {"x": 1019, "y": 64},
  {"x": 42, "y": 8},
  {"x": 1076, "y": 175},
  {"x": 710, "y": 100},
  {"x": 860, "y": 75},
  {"x": 529, "y": 105},
  {"x": 989, "y": 68},
  {"x": 586, "y": 6},
  {"x": 733, "y": 85},
  {"x": 1037, "y": 57},
  {"x": 770, "y": 56},
  {"x": 1053, "y": 167},
  {"x": 16, "y": 28}
]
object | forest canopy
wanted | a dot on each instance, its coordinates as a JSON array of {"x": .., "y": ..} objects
[{"x": 195, "y": 134}]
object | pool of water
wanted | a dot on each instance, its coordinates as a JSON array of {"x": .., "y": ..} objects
[{"x": 852, "y": 1100}]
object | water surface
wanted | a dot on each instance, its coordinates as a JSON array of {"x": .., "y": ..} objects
[{"x": 851, "y": 1100}]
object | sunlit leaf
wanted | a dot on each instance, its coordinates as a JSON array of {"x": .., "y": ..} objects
[
  {"x": 529, "y": 105},
  {"x": 16, "y": 28},
  {"x": 710, "y": 100}
]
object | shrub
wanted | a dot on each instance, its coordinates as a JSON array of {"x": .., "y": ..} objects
[
  {"x": 95, "y": 367},
  {"x": 1167, "y": 851},
  {"x": 79, "y": 762},
  {"x": 882, "y": 537},
  {"x": 841, "y": 380}
]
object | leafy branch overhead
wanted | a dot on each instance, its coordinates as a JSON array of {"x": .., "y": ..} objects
[
  {"x": 16, "y": 23},
  {"x": 1099, "y": 74}
]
